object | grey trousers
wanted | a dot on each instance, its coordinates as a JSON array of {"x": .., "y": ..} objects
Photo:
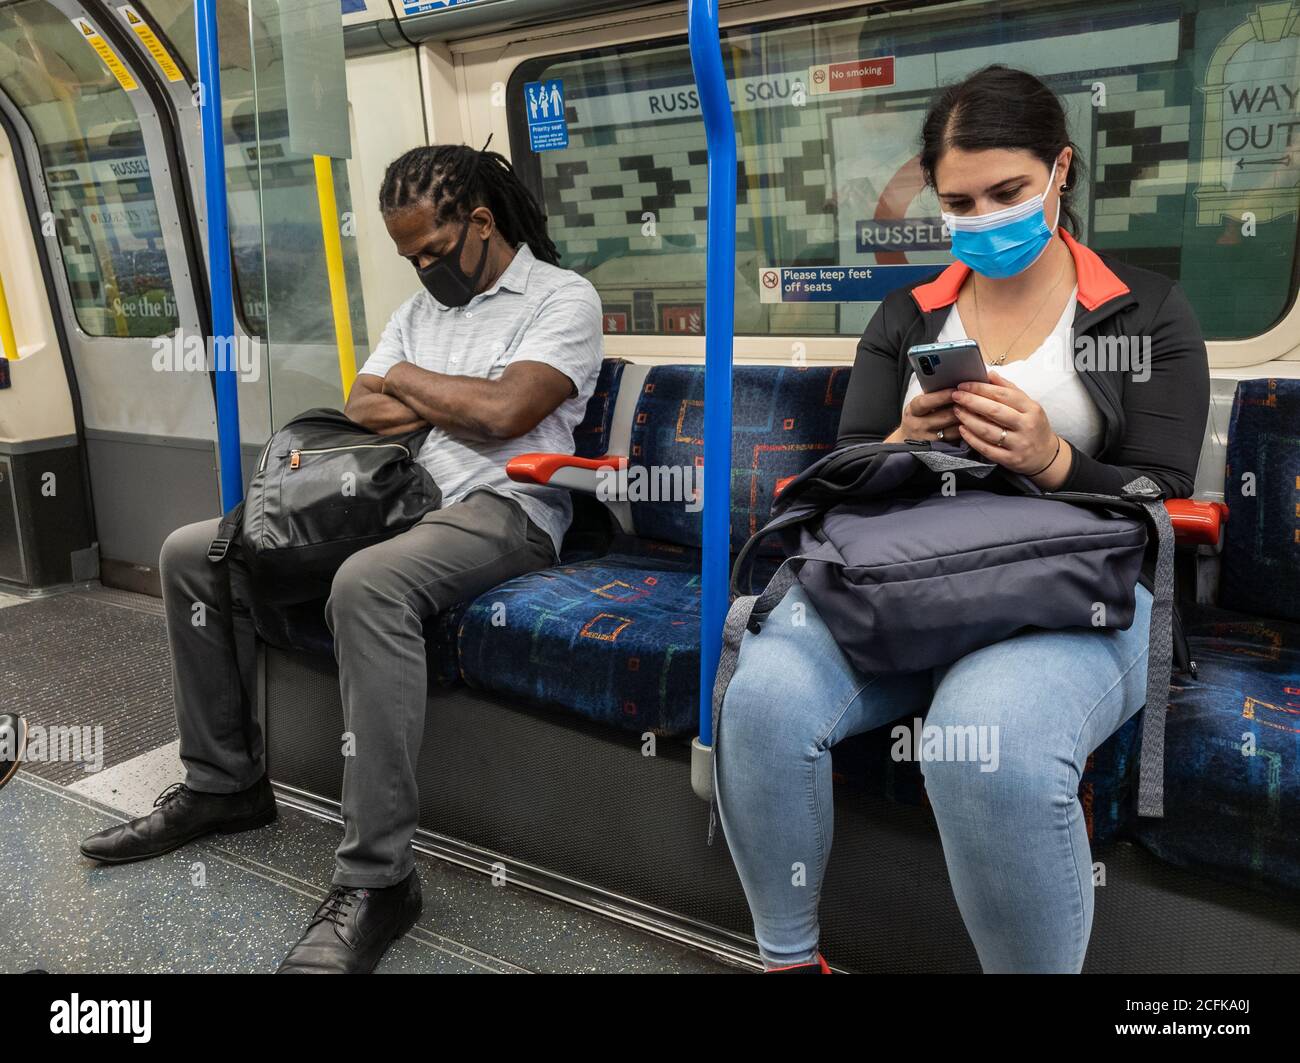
[{"x": 379, "y": 602}]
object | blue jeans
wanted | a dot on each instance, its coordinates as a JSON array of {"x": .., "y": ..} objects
[{"x": 1018, "y": 720}]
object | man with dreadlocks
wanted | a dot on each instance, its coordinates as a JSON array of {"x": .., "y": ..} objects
[{"x": 498, "y": 354}]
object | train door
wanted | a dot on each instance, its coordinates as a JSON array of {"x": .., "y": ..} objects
[
  {"x": 275, "y": 57},
  {"x": 161, "y": 36},
  {"x": 104, "y": 171}
]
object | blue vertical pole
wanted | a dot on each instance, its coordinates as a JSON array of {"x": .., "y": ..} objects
[
  {"x": 719, "y": 321},
  {"x": 223, "y": 307}
]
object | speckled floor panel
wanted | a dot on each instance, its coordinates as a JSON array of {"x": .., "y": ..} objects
[
  {"x": 238, "y": 902},
  {"x": 132, "y": 786}
]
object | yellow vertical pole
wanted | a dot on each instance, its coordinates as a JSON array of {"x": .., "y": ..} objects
[
  {"x": 8, "y": 344},
  {"x": 329, "y": 226}
]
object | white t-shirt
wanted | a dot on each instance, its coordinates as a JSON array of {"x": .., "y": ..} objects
[{"x": 1047, "y": 376}]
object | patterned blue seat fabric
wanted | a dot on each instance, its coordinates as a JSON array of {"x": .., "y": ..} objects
[
  {"x": 616, "y": 638},
  {"x": 1232, "y": 761}
]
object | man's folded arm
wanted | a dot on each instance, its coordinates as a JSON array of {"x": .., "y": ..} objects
[
  {"x": 367, "y": 403},
  {"x": 383, "y": 414},
  {"x": 477, "y": 408}
]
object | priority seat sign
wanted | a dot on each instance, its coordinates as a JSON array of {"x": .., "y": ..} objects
[{"x": 548, "y": 127}]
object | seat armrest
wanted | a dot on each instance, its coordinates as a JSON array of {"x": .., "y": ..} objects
[
  {"x": 1197, "y": 523},
  {"x": 584, "y": 475}
]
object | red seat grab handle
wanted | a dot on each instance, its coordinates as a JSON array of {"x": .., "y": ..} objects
[
  {"x": 1196, "y": 523},
  {"x": 539, "y": 468}
]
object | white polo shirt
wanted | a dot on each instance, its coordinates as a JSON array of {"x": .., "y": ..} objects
[{"x": 535, "y": 312}]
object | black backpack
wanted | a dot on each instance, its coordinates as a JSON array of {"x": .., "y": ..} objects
[{"x": 325, "y": 488}]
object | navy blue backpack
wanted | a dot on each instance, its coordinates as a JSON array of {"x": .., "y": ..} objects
[{"x": 915, "y": 554}]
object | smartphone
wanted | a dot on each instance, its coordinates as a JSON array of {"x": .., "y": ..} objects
[{"x": 945, "y": 365}]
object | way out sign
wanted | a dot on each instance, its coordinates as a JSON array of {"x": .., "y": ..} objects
[{"x": 548, "y": 128}]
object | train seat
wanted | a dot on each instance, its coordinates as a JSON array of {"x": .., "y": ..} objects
[
  {"x": 612, "y": 633},
  {"x": 1232, "y": 759},
  {"x": 616, "y": 638}
]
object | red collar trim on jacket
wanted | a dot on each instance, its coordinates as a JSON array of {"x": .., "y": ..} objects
[{"x": 1097, "y": 283}]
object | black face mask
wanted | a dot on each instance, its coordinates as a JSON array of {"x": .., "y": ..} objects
[{"x": 446, "y": 281}]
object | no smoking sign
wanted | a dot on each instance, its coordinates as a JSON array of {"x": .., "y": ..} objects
[{"x": 852, "y": 76}]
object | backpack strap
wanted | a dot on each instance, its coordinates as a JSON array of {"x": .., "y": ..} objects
[
  {"x": 746, "y": 613},
  {"x": 1151, "y": 762},
  {"x": 740, "y": 569},
  {"x": 219, "y": 554},
  {"x": 227, "y": 532}
]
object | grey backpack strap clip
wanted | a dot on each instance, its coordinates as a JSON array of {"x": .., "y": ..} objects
[{"x": 952, "y": 463}]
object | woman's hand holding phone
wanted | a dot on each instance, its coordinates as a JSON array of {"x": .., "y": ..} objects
[
  {"x": 926, "y": 416},
  {"x": 1005, "y": 425},
  {"x": 978, "y": 413}
]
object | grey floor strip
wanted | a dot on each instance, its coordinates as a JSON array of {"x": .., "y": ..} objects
[
  {"x": 94, "y": 678},
  {"x": 510, "y": 923}
]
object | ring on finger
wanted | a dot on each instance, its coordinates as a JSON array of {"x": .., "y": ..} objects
[{"x": 1002, "y": 437}]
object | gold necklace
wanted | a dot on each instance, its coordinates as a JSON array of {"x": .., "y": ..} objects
[{"x": 975, "y": 294}]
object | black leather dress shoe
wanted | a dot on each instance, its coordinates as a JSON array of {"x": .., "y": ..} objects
[
  {"x": 13, "y": 741},
  {"x": 180, "y": 816},
  {"x": 352, "y": 930}
]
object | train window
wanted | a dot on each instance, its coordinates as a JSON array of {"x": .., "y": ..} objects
[
  {"x": 92, "y": 152},
  {"x": 1186, "y": 113},
  {"x": 279, "y": 253}
]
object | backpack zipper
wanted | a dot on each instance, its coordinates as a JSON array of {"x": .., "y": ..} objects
[{"x": 295, "y": 456}]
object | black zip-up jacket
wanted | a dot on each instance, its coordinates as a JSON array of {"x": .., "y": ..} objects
[{"x": 1154, "y": 427}]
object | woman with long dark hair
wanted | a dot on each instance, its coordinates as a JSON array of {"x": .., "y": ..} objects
[{"x": 1097, "y": 375}]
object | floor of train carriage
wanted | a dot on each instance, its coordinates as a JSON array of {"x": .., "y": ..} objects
[{"x": 233, "y": 903}]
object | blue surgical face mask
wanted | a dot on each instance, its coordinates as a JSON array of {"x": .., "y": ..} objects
[{"x": 1005, "y": 242}]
